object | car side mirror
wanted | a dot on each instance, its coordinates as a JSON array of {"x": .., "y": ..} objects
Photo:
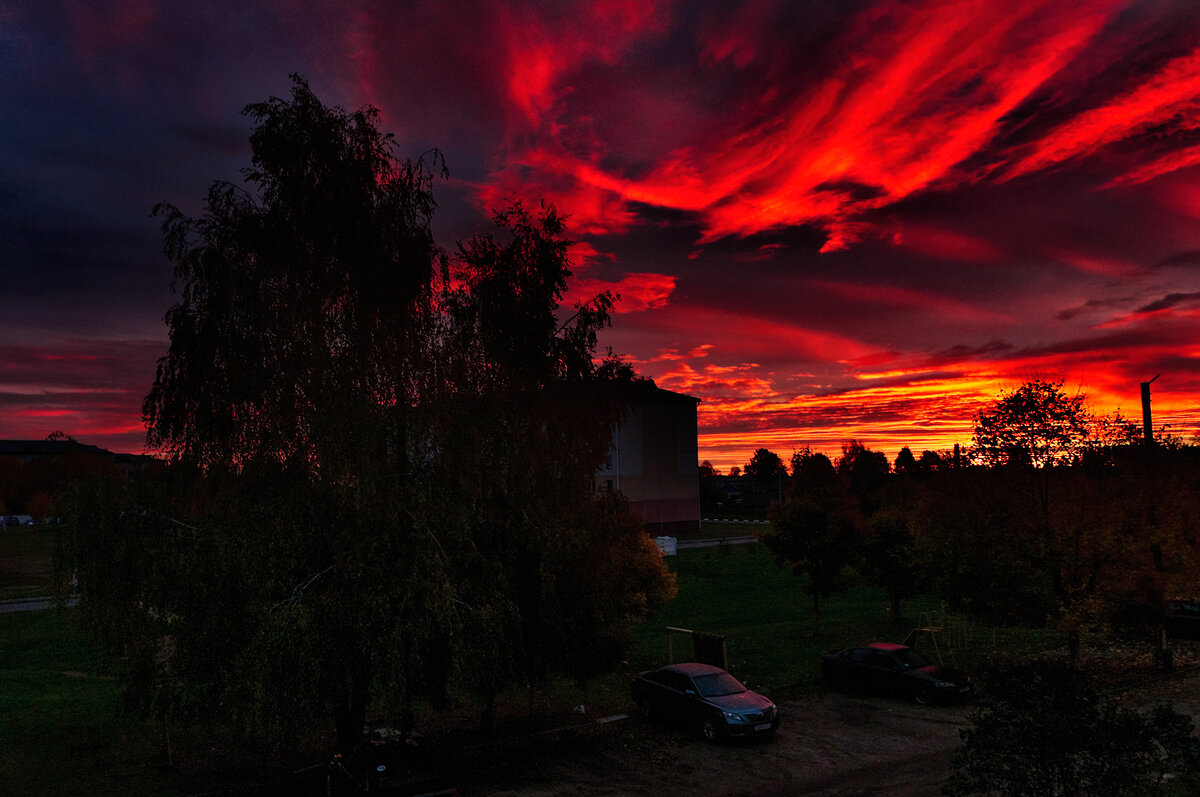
[{"x": 690, "y": 692}]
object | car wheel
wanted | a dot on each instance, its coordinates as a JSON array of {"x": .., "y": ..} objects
[
  {"x": 709, "y": 729},
  {"x": 644, "y": 708},
  {"x": 922, "y": 694}
]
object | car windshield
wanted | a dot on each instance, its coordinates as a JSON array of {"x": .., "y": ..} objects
[
  {"x": 910, "y": 659},
  {"x": 717, "y": 684}
]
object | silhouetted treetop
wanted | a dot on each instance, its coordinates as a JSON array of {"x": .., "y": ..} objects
[
  {"x": 381, "y": 456},
  {"x": 765, "y": 466},
  {"x": 302, "y": 290},
  {"x": 1035, "y": 424}
]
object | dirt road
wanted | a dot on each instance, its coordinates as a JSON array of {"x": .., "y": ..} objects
[{"x": 828, "y": 745}]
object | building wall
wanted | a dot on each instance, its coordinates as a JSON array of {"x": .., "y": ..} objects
[{"x": 653, "y": 461}]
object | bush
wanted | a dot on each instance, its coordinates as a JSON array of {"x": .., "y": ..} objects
[{"x": 1046, "y": 729}]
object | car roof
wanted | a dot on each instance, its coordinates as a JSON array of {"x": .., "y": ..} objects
[
  {"x": 891, "y": 647},
  {"x": 693, "y": 668}
]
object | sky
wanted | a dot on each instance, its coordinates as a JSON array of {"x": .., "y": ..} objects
[{"x": 828, "y": 221}]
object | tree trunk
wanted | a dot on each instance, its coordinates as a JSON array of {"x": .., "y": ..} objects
[
  {"x": 487, "y": 721},
  {"x": 437, "y": 663},
  {"x": 351, "y": 715}
]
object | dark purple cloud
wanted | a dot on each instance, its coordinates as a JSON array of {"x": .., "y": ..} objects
[{"x": 827, "y": 220}]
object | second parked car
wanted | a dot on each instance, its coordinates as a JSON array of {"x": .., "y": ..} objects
[
  {"x": 706, "y": 698},
  {"x": 894, "y": 669}
]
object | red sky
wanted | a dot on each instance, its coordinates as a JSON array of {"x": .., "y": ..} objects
[{"x": 826, "y": 220}]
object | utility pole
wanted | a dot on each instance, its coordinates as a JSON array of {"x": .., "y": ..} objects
[{"x": 1147, "y": 425}]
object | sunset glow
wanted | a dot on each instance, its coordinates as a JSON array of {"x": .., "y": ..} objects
[{"x": 826, "y": 224}]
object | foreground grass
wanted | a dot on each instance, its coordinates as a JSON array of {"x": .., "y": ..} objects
[
  {"x": 61, "y": 733},
  {"x": 58, "y": 728}
]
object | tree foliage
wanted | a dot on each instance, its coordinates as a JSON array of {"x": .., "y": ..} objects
[
  {"x": 931, "y": 462},
  {"x": 890, "y": 558},
  {"x": 1066, "y": 489},
  {"x": 906, "y": 463},
  {"x": 1036, "y": 424},
  {"x": 864, "y": 472},
  {"x": 522, "y": 421},
  {"x": 287, "y": 391},
  {"x": 379, "y": 456},
  {"x": 813, "y": 530},
  {"x": 817, "y": 541},
  {"x": 764, "y": 467},
  {"x": 812, "y": 471},
  {"x": 1046, "y": 730},
  {"x": 971, "y": 549},
  {"x": 712, "y": 495},
  {"x": 764, "y": 475},
  {"x": 299, "y": 296}
]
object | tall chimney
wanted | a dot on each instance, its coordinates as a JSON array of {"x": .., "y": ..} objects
[{"x": 1147, "y": 424}]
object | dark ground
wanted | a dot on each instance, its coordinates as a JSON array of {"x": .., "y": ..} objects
[{"x": 829, "y": 744}]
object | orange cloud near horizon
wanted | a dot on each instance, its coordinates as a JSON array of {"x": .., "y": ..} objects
[{"x": 931, "y": 416}]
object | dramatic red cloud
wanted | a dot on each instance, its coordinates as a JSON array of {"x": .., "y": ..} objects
[
  {"x": 589, "y": 210},
  {"x": 907, "y": 109},
  {"x": 542, "y": 51},
  {"x": 752, "y": 336},
  {"x": 635, "y": 292},
  {"x": 924, "y": 301},
  {"x": 898, "y": 117},
  {"x": 1092, "y": 264},
  {"x": 1167, "y": 98},
  {"x": 1171, "y": 162},
  {"x": 825, "y": 220},
  {"x": 91, "y": 390},
  {"x": 725, "y": 385},
  {"x": 930, "y": 415},
  {"x": 946, "y": 244}
]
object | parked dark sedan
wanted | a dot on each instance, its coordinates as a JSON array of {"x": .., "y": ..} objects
[
  {"x": 706, "y": 698},
  {"x": 894, "y": 669}
]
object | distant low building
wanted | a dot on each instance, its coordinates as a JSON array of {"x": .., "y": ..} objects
[
  {"x": 24, "y": 452},
  {"x": 653, "y": 460}
]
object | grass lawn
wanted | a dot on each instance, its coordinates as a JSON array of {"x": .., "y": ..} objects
[
  {"x": 771, "y": 638},
  {"x": 60, "y": 732},
  {"x": 57, "y": 709},
  {"x": 26, "y": 553}
]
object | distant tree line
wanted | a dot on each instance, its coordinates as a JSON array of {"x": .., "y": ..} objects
[
  {"x": 29, "y": 486},
  {"x": 1053, "y": 515},
  {"x": 377, "y": 484}
]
